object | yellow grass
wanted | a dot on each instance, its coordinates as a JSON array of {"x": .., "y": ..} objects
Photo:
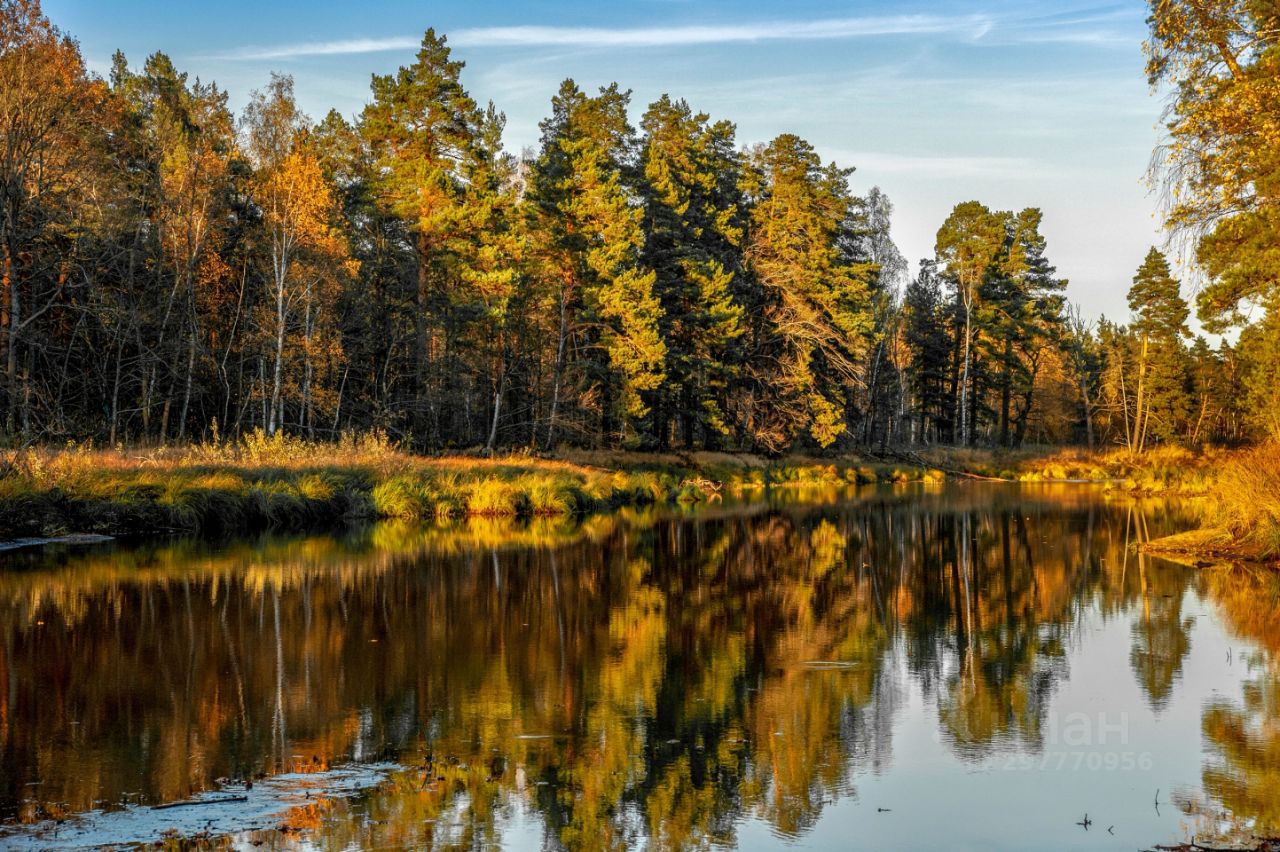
[{"x": 284, "y": 482}]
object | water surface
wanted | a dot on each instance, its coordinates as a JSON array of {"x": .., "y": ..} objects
[{"x": 963, "y": 667}]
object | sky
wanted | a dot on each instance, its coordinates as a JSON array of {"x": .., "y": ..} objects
[{"x": 1034, "y": 103}]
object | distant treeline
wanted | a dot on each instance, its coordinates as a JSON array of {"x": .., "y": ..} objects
[{"x": 172, "y": 272}]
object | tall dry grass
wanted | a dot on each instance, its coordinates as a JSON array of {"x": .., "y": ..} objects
[
  {"x": 284, "y": 482},
  {"x": 1245, "y": 499}
]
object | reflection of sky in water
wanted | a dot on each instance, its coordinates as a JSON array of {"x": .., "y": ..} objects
[
  {"x": 648, "y": 673},
  {"x": 937, "y": 800}
]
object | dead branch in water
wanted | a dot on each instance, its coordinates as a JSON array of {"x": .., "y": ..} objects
[{"x": 194, "y": 802}]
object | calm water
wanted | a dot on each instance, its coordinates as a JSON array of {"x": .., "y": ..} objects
[{"x": 967, "y": 668}]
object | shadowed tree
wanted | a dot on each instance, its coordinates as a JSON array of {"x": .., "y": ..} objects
[{"x": 693, "y": 235}]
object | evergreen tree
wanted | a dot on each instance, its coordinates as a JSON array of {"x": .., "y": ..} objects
[
  {"x": 1259, "y": 350},
  {"x": 1021, "y": 312},
  {"x": 1159, "y": 323},
  {"x": 968, "y": 245},
  {"x": 816, "y": 315},
  {"x": 378, "y": 319},
  {"x": 425, "y": 133},
  {"x": 590, "y": 237},
  {"x": 186, "y": 138},
  {"x": 928, "y": 343},
  {"x": 693, "y": 233}
]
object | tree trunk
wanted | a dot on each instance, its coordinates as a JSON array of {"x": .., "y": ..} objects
[
  {"x": 869, "y": 424},
  {"x": 115, "y": 389},
  {"x": 497, "y": 409},
  {"x": 1006, "y": 392},
  {"x": 14, "y": 311},
  {"x": 420, "y": 331},
  {"x": 1140, "y": 423},
  {"x": 186, "y": 393},
  {"x": 964, "y": 383},
  {"x": 308, "y": 415},
  {"x": 342, "y": 387},
  {"x": 1088, "y": 410},
  {"x": 277, "y": 372},
  {"x": 559, "y": 375}
]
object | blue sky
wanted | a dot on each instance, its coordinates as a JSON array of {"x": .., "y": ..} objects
[{"x": 1029, "y": 103}]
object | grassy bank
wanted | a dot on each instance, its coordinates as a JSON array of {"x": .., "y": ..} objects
[
  {"x": 289, "y": 484},
  {"x": 286, "y": 483},
  {"x": 1240, "y": 509},
  {"x": 1236, "y": 492}
]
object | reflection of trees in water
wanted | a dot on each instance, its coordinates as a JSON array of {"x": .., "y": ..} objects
[
  {"x": 1161, "y": 636},
  {"x": 1241, "y": 776},
  {"x": 662, "y": 678}
]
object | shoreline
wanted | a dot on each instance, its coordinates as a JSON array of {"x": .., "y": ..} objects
[
  {"x": 285, "y": 484},
  {"x": 288, "y": 484}
]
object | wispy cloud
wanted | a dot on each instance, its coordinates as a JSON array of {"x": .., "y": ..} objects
[
  {"x": 1106, "y": 27},
  {"x": 971, "y": 26},
  {"x": 341, "y": 47},
  {"x": 967, "y": 26}
]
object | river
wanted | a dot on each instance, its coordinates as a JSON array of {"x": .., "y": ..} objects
[{"x": 966, "y": 666}]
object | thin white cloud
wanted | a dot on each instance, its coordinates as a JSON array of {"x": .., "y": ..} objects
[
  {"x": 968, "y": 26},
  {"x": 971, "y": 26},
  {"x": 342, "y": 47},
  {"x": 1094, "y": 38}
]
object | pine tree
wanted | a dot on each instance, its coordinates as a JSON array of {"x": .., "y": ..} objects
[
  {"x": 816, "y": 316},
  {"x": 1159, "y": 322},
  {"x": 425, "y": 134},
  {"x": 928, "y": 344},
  {"x": 1259, "y": 351},
  {"x": 591, "y": 237},
  {"x": 377, "y": 388},
  {"x": 693, "y": 231},
  {"x": 185, "y": 136},
  {"x": 1021, "y": 310},
  {"x": 968, "y": 245}
]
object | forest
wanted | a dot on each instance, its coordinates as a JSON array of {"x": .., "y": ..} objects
[{"x": 172, "y": 271}]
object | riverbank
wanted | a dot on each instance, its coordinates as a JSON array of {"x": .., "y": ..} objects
[
  {"x": 1235, "y": 492},
  {"x": 289, "y": 484},
  {"x": 284, "y": 483},
  {"x": 1240, "y": 510}
]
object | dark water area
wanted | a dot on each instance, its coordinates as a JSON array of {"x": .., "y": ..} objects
[{"x": 959, "y": 667}]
